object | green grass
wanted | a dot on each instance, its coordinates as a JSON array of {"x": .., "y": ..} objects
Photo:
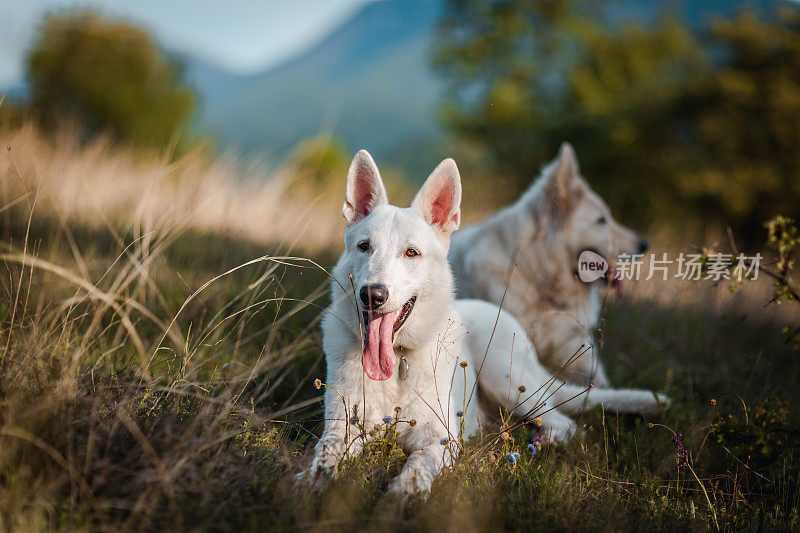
[{"x": 205, "y": 429}]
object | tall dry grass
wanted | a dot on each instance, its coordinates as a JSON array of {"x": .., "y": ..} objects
[
  {"x": 99, "y": 184},
  {"x": 131, "y": 380}
]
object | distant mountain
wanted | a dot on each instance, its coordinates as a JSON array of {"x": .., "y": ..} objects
[
  {"x": 15, "y": 92},
  {"x": 368, "y": 82},
  {"x": 211, "y": 82}
]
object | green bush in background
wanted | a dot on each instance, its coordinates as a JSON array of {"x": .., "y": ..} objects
[
  {"x": 695, "y": 128},
  {"x": 111, "y": 77},
  {"x": 318, "y": 164},
  {"x": 318, "y": 167}
]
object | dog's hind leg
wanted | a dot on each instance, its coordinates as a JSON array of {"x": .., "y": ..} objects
[
  {"x": 557, "y": 426},
  {"x": 520, "y": 386},
  {"x": 525, "y": 395},
  {"x": 574, "y": 399},
  {"x": 528, "y": 401},
  {"x": 566, "y": 345},
  {"x": 509, "y": 371}
]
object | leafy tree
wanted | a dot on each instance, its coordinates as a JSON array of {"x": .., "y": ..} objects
[
  {"x": 10, "y": 114},
  {"x": 317, "y": 165},
  {"x": 745, "y": 118},
  {"x": 109, "y": 75},
  {"x": 502, "y": 59},
  {"x": 622, "y": 111},
  {"x": 668, "y": 125}
]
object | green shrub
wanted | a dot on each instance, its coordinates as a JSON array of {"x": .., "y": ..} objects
[{"x": 110, "y": 76}]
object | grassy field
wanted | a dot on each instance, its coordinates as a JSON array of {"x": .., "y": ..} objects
[{"x": 158, "y": 353}]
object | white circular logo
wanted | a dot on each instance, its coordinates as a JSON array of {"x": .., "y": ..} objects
[{"x": 591, "y": 266}]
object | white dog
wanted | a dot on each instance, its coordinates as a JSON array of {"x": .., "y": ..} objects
[
  {"x": 543, "y": 233},
  {"x": 395, "y": 337}
]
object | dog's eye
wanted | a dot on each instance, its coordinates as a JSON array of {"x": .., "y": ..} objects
[
  {"x": 411, "y": 252},
  {"x": 602, "y": 221},
  {"x": 363, "y": 246}
]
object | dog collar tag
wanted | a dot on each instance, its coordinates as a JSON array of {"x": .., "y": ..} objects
[{"x": 403, "y": 370}]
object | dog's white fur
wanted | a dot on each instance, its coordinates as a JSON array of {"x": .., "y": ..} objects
[
  {"x": 543, "y": 233},
  {"x": 438, "y": 334}
]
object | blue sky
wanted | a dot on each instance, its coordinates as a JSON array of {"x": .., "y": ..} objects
[{"x": 243, "y": 36}]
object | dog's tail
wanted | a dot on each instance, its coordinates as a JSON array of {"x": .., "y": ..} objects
[{"x": 572, "y": 399}]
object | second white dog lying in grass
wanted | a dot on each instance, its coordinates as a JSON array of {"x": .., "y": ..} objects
[{"x": 394, "y": 336}]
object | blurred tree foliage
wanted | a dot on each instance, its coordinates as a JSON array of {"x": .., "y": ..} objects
[
  {"x": 318, "y": 166},
  {"x": 111, "y": 77},
  {"x": 696, "y": 128},
  {"x": 745, "y": 118},
  {"x": 11, "y": 114}
]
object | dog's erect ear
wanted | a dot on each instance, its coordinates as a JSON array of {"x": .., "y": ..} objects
[
  {"x": 439, "y": 199},
  {"x": 562, "y": 174},
  {"x": 364, "y": 190}
]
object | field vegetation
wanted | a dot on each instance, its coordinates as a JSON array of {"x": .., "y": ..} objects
[
  {"x": 160, "y": 301},
  {"x": 160, "y": 346}
]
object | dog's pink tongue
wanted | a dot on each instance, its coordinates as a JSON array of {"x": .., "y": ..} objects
[
  {"x": 617, "y": 284},
  {"x": 379, "y": 359}
]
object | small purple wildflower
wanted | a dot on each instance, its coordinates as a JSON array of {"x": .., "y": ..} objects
[
  {"x": 538, "y": 436},
  {"x": 459, "y": 413},
  {"x": 681, "y": 453},
  {"x": 444, "y": 441},
  {"x": 512, "y": 457},
  {"x": 532, "y": 449},
  {"x": 387, "y": 419}
]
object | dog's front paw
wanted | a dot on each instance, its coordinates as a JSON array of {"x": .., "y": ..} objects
[
  {"x": 316, "y": 475},
  {"x": 405, "y": 488},
  {"x": 327, "y": 455},
  {"x": 309, "y": 479},
  {"x": 410, "y": 483}
]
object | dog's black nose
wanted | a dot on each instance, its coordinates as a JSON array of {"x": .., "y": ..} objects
[
  {"x": 643, "y": 244},
  {"x": 373, "y": 296}
]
